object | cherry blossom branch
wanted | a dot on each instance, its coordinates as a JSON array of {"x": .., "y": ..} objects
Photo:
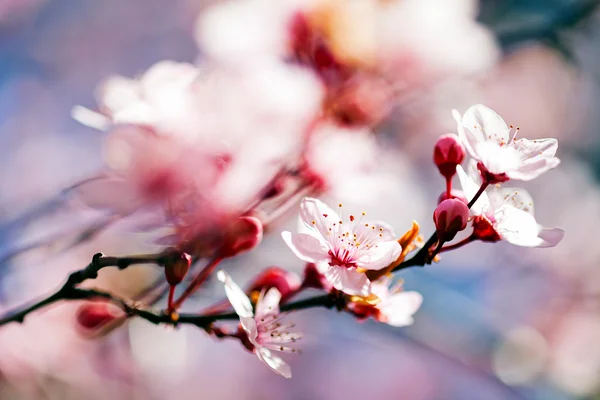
[
  {"x": 425, "y": 255},
  {"x": 198, "y": 280},
  {"x": 69, "y": 291},
  {"x": 457, "y": 245}
]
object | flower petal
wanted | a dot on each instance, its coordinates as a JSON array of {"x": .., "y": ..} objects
[
  {"x": 375, "y": 228},
  {"x": 348, "y": 280},
  {"x": 517, "y": 227},
  {"x": 468, "y": 138},
  {"x": 516, "y": 197},
  {"x": 251, "y": 328},
  {"x": 274, "y": 362},
  {"x": 470, "y": 187},
  {"x": 537, "y": 157},
  {"x": 533, "y": 168},
  {"x": 306, "y": 247},
  {"x": 486, "y": 124},
  {"x": 551, "y": 237},
  {"x": 380, "y": 256},
  {"x": 312, "y": 209},
  {"x": 400, "y": 307},
  {"x": 268, "y": 304},
  {"x": 238, "y": 299}
]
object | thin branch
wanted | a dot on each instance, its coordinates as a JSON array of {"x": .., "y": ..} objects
[
  {"x": 424, "y": 256},
  {"x": 68, "y": 291}
]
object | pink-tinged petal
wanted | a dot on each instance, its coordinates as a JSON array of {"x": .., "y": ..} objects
[
  {"x": 486, "y": 123},
  {"x": 268, "y": 303},
  {"x": 550, "y": 236},
  {"x": 469, "y": 139},
  {"x": 374, "y": 229},
  {"x": 517, "y": 227},
  {"x": 306, "y": 247},
  {"x": 312, "y": 209},
  {"x": 348, "y": 280},
  {"x": 536, "y": 157},
  {"x": 470, "y": 187},
  {"x": 496, "y": 159},
  {"x": 274, "y": 362},
  {"x": 400, "y": 307},
  {"x": 528, "y": 149},
  {"x": 533, "y": 168},
  {"x": 238, "y": 299},
  {"x": 380, "y": 255},
  {"x": 251, "y": 328},
  {"x": 516, "y": 197}
]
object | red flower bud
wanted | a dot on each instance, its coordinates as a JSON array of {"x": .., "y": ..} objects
[
  {"x": 243, "y": 234},
  {"x": 177, "y": 265},
  {"x": 313, "y": 278},
  {"x": 450, "y": 217},
  {"x": 285, "y": 281},
  {"x": 454, "y": 194},
  {"x": 447, "y": 154},
  {"x": 98, "y": 318}
]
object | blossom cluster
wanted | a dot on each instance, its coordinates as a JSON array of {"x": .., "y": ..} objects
[{"x": 282, "y": 104}]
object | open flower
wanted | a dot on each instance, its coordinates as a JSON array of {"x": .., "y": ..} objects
[
  {"x": 263, "y": 328},
  {"x": 343, "y": 250},
  {"x": 499, "y": 155},
  {"x": 506, "y": 214},
  {"x": 395, "y": 307}
]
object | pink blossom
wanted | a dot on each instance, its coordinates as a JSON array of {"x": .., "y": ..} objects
[
  {"x": 506, "y": 214},
  {"x": 262, "y": 327},
  {"x": 395, "y": 306},
  {"x": 343, "y": 250},
  {"x": 499, "y": 154}
]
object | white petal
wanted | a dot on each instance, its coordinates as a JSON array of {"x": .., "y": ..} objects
[
  {"x": 497, "y": 160},
  {"x": 386, "y": 231},
  {"x": 269, "y": 304},
  {"x": 468, "y": 138},
  {"x": 516, "y": 197},
  {"x": 485, "y": 122},
  {"x": 517, "y": 227},
  {"x": 238, "y": 299},
  {"x": 551, "y": 237},
  {"x": 533, "y": 168},
  {"x": 312, "y": 209},
  {"x": 536, "y": 148},
  {"x": 400, "y": 307},
  {"x": 306, "y": 247},
  {"x": 90, "y": 118},
  {"x": 348, "y": 280},
  {"x": 251, "y": 329},
  {"x": 380, "y": 255},
  {"x": 470, "y": 188},
  {"x": 274, "y": 362},
  {"x": 537, "y": 157}
]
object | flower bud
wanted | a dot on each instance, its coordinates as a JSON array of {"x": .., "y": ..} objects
[
  {"x": 98, "y": 318},
  {"x": 285, "y": 281},
  {"x": 243, "y": 234},
  {"x": 177, "y": 265},
  {"x": 450, "y": 217},
  {"x": 447, "y": 154},
  {"x": 313, "y": 278},
  {"x": 454, "y": 194}
]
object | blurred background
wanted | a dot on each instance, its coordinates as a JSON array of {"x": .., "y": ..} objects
[{"x": 497, "y": 322}]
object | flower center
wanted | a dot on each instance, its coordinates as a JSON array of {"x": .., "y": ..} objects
[{"x": 351, "y": 240}]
